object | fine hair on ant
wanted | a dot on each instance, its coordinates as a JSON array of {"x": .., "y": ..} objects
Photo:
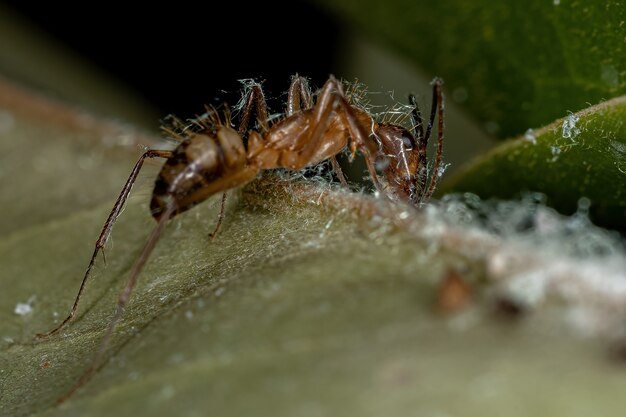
[{"x": 212, "y": 157}]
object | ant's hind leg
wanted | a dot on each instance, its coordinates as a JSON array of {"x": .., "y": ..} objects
[
  {"x": 220, "y": 218},
  {"x": 254, "y": 99},
  {"x": 106, "y": 232},
  {"x": 123, "y": 300},
  {"x": 299, "y": 95}
]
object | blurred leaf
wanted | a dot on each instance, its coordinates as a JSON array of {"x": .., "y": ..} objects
[
  {"x": 514, "y": 65},
  {"x": 582, "y": 155},
  {"x": 56, "y": 160}
]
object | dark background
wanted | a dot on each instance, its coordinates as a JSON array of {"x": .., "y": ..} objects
[
  {"x": 179, "y": 57},
  {"x": 182, "y": 55}
]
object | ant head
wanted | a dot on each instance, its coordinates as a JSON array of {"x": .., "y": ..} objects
[
  {"x": 400, "y": 148},
  {"x": 397, "y": 142}
]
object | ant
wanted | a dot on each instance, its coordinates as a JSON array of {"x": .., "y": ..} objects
[{"x": 211, "y": 157}]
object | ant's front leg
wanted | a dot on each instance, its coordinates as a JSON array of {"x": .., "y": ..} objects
[
  {"x": 333, "y": 95},
  {"x": 320, "y": 146}
]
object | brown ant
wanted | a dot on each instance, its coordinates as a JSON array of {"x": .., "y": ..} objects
[{"x": 212, "y": 157}]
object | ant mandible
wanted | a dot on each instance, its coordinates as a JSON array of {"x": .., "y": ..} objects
[{"x": 215, "y": 158}]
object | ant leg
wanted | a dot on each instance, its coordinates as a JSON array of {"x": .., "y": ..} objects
[
  {"x": 322, "y": 113},
  {"x": 363, "y": 142},
  {"x": 220, "y": 217},
  {"x": 298, "y": 94},
  {"x": 438, "y": 103},
  {"x": 255, "y": 100},
  {"x": 330, "y": 98},
  {"x": 416, "y": 115},
  {"x": 106, "y": 231},
  {"x": 123, "y": 299},
  {"x": 422, "y": 143},
  {"x": 171, "y": 127},
  {"x": 339, "y": 172}
]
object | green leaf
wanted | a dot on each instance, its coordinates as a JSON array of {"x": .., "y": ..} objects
[
  {"x": 311, "y": 301},
  {"x": 513, "y": 65},
  {"x": 56, "y": 160},
  {"x": 582, "y": 155}
]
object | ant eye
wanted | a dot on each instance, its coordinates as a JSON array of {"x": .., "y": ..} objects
[{"x": 408, "y": 142}]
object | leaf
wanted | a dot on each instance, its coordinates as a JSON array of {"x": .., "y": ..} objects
[
  {"x": 513, "y": 65},
  {"x": 582, "y": 155},
  {"x": 311, "y": 300},
  {"x": 56, "y": 160}
]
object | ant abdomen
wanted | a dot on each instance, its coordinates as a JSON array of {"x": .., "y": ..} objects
[{"x": 197, "y": 163}]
